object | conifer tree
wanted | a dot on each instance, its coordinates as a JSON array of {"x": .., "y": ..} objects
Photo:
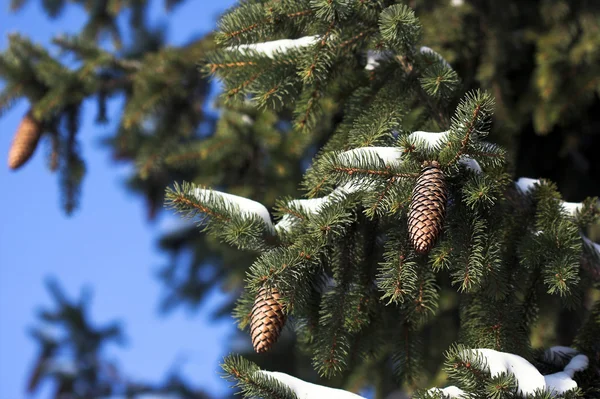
[
  {"x": 355, "y": 82},
  {"x": 409, "y": 212}
]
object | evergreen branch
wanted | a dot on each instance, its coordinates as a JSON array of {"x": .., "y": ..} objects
[
  {"x": 213, "y": 67},
  {"x": 382, "y": 195},
  {"x": 375, "y": 172},
  {"x": 356, "y": 37},
  {"x": 412, "y": 74},
  {"x": 252, "y": 382},
  {"x": 465, "y": 141},
  {"x": 178, "y": 199}
]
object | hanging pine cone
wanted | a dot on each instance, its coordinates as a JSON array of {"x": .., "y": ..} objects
[
  {"x": 24, "y": 142},
  {"x": 427, "y": 208},
  {"x": 267, "y": 320}
]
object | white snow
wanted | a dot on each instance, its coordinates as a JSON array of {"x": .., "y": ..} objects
[
  {"x": 562, "y": 381},
  {"x": 578, "y": 363},
  {"x": 390, "y": 156},
  {"x": 310, "y": 206},
  {"x": 449, "y": 392},
  {"x": 470, "y": 163},
  {"x": 431, "y": 139},
  {"x": 285, "y": 224},
  {"x": 373, "y": 58},
  {"x": 270, "y": 49},
  {"x": 572, "y": 207},
  {"x": 524, "y": 184},
  {"x": 528, "y": 378},
  {"x": 427, "y": 50},
  {"x": 246, "y": 206},
  {"x": 306, "y": 390}
]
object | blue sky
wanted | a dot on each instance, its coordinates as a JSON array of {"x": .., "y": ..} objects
[{"x": 107, "y": 245}]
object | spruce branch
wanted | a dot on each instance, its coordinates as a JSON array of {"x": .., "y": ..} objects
[{"x": 251, "y": 382}]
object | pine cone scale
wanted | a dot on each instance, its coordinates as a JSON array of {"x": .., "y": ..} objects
[
  {"x": 24, "y": 142},
  {"x": 266, "y": 320},
  {"x": 427, "y": 208}
]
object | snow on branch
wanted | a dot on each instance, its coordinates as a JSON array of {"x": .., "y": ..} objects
[
  {"x": 307, "y": 390},
  {"x": 431, "y": 139},
  {"x": 246, "y": 207},
  {"x": 526, "y": 184},
  {"x": 374, "y": 56},
  {"x": 310, "y": 206},
  {"x": 562, "y": 381},
  {"x": 449, "y": 392},
  {"x": 428, "y": 51},
  {"x": 391, "y": 156},
  {"x": 572, "y": 207},
  {"x": 528, "y": 378},
  {"x": 270, "y": 49}
]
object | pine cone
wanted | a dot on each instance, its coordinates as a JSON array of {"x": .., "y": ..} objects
[
  {"x": 267, "y": 320},
  {"x": 24, "y": 142},
  {"x": 427, "y": 208}
]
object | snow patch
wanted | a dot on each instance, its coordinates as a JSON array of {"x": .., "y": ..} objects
[
  {"x": 431, "y": 139},
  {"x": 373, "y": 58},
  {"x": 572, "y": 207},
  {"x": 448, "y": 392},
  {"x": 559, "y": 383},
  {"x": 525, "y": 184},
  {"x": 528, "y": 378},
  {"x": 309, "y": 206},
  {"x": 306, "y": 390},
  {"x": 470, "y": 164},
  {"x": 246, "y": 206},
  {"x": 428, "y": 50},
  {"x": 270, "y": 49},
  {"x": 391, "y": 156}
]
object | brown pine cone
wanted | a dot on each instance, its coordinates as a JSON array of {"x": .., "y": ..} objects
[
  {"x": 267, "y": 320},
  {"x": 24, "y": 142},
  {"x": 427, "y": 208}
]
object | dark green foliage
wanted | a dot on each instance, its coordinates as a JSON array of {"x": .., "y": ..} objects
[
  {"x": 352, "y": 76},
  {"x": 496, "y": 270},
  {"x": 252, "y": 383}
]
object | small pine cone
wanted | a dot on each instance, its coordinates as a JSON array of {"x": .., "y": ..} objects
[
  {"x": 427, "y": 208},
  {"x": 267, "y": 320},
  {"x": 24, "y": 142}
]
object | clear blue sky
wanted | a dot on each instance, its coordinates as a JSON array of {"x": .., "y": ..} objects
[{"x": 107, "y": 245}]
